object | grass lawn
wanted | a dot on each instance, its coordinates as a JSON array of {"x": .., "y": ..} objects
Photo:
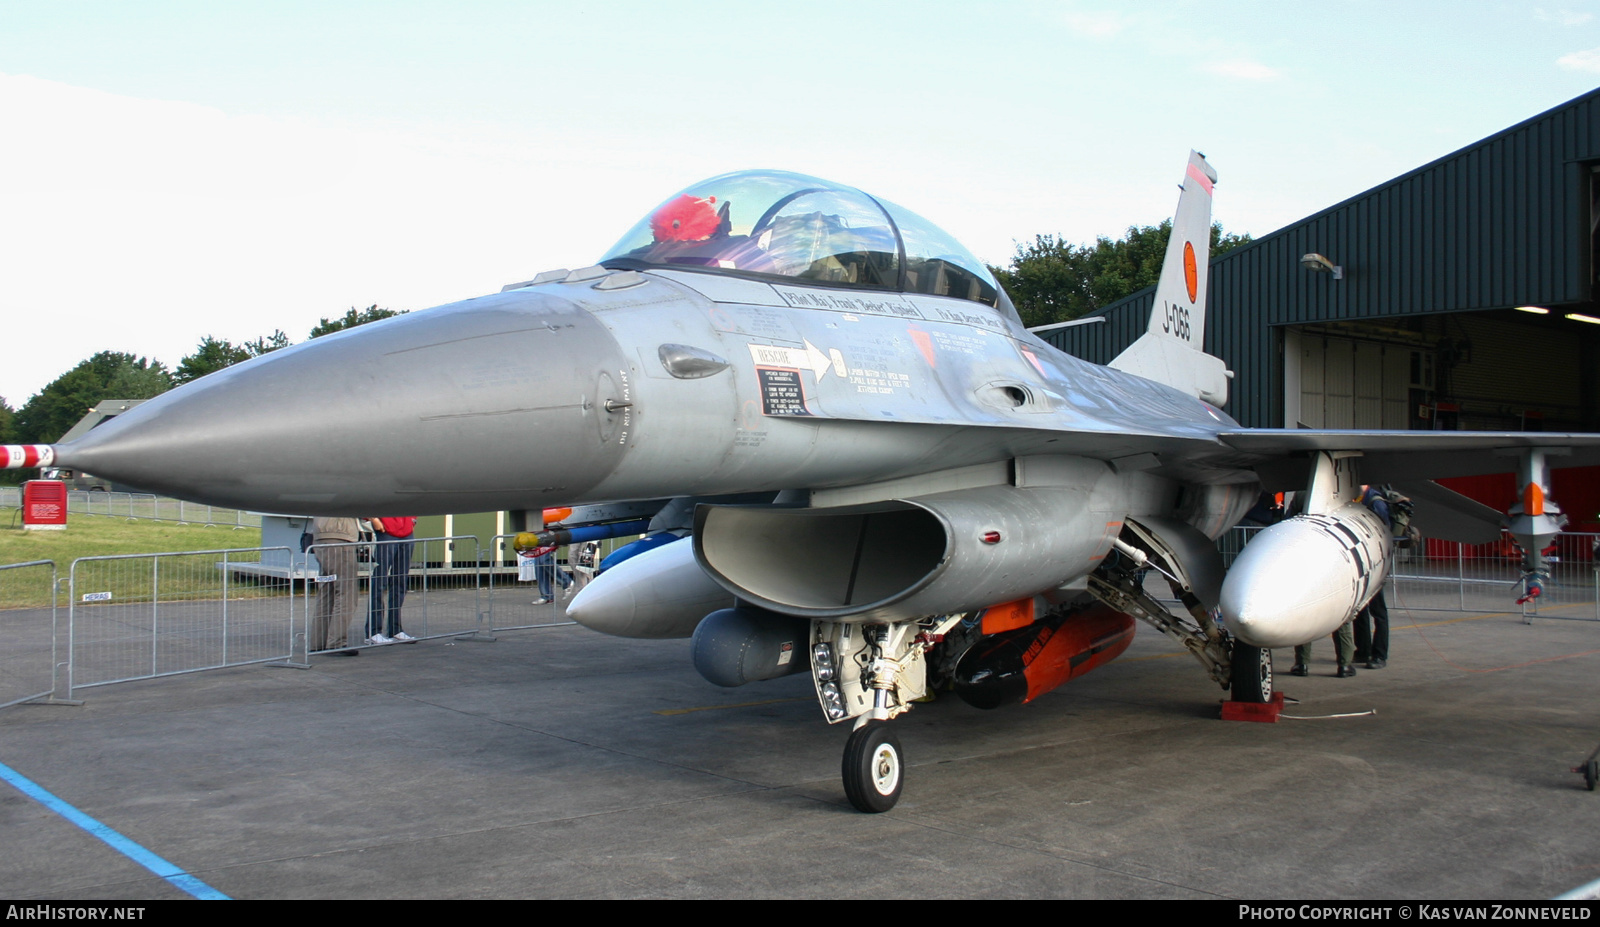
[
  {"x": 99, "y": 536},
  {"x": 103, "y": 535}
]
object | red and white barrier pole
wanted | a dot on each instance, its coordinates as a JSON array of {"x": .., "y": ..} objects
[{"x": 22, "y": 456}]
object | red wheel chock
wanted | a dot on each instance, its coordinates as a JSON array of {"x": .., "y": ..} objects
[{"x": 1253, "y": 711}]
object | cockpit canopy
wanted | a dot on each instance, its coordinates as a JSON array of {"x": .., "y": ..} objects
[{"x": 778, "y": 224}]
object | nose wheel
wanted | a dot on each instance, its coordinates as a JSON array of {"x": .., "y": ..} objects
[{"x": 873, "y": 768}]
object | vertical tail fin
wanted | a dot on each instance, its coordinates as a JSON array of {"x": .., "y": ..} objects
[{"x": 1172, "y": 351}]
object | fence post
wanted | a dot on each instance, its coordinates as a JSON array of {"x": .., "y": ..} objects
[
  {"x": 72, "y": 628},
  {"x": 59, "y": 694},
  {"x": 61, "y": 674},
  {"x": 225, "y": 590},
  {"x": 155, "y": 611}
]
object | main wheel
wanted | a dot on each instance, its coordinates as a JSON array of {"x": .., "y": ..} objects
[
  {"x": 1591, "y": 772},
  {"x": 873, "y": 769},
  {"x": 1251, "y": 675}
]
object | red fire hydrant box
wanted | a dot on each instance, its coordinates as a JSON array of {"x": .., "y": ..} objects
[{"x": 44, "y": 505}]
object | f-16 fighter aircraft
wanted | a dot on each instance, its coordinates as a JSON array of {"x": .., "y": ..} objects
[{"x": 927, "y": 494}]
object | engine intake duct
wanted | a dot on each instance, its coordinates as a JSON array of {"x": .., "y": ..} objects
[{"x": 906, "y": 558}]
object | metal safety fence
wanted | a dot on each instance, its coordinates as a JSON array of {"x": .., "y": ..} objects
[
  {"x": 139, "y": 616},
  {"x": 424, "y": 587},
  {"x": 28, "y": 631},
  {"x": 523, "y": 593},
  {"x": 1449, "y": 576},
  {"x": 1233, "y": 541},
  {"x": 142, "y": 505},
  {"x": 535, "y": 595}
]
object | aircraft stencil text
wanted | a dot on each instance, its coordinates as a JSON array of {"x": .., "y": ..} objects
[{"x": 1177, "y": 321}]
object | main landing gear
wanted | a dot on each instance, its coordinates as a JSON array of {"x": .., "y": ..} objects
[
  {"x": 1590, "y": 770},
  {"x": 1251, "y": 674},
  {"x": 1244, "y": 670}
]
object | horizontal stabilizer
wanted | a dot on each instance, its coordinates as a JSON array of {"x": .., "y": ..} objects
[
  {"x": 1448, "y": 515},
  {"x": 1160, "y": 358}
]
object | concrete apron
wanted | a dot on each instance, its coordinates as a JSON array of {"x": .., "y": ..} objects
[{"x": 560, "y": 763}]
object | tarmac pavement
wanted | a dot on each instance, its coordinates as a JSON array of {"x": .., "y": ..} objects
[{"x": 558, "y": 763}]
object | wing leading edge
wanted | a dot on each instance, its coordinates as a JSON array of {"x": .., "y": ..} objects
[{"x": 1281, "y": 454}]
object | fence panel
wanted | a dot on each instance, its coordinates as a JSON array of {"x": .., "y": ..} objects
[
  {"x": 439, "y": 596},
  {"x": 1233, "y": 541},
  {"x": 513, "y": 601},
  {"x": 141, "y": 505},
  {"x": 1487, "y": 578},
  {"x": 1447, "y": 576},
  {"x": 27, "y": 631},
  {"x": 143, "y": 615}
]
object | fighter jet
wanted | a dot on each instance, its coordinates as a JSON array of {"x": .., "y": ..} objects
[{"x": 884, "y": 478}]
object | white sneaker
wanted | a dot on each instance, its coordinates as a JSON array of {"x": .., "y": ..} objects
[
  {"x": 380, "y": 638},
  {"x": 541, "y": 601},
  {"x": 403, "y": 638}
]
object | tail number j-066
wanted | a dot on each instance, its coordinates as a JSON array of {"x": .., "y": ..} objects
[{"x": 1177, "y": 321}]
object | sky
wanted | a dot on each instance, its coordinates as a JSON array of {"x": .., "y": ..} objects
[{"x": 172, "y": 170}]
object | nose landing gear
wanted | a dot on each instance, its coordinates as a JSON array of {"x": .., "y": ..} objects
[{"x": 873, "y": 769}]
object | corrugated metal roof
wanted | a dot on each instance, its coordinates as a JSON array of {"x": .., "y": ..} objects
[{"x": 1502, "y": 222}]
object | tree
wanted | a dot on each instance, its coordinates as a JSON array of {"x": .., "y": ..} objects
[
  {"x": 213, "y": 354},
  {"x": 1052, "y": 280},
  {"x": 8, "y": 427},
  {"x": 45, "y": 417},
  {"x": 8, "y": 435},
  {"x": 351, "y": 319},
  {"x": 268, "y": 343}
]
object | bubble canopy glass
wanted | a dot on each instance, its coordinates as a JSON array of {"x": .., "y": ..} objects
[{"x": 777, "y": 224}]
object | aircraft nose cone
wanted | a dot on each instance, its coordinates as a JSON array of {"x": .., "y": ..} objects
[{"x": 516, "y": 385}]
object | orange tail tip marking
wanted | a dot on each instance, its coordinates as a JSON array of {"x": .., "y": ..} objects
[{"x": 1532, "y": 499}]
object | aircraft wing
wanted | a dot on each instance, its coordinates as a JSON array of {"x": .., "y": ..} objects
[{"x": 1398, "y": 456}]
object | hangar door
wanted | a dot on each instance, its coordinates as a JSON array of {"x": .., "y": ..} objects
[{"x": 1347, "y": 383}]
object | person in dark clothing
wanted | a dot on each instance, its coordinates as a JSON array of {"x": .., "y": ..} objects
[
  {"x": 1372, "y": 622},
  {"x": 1268, "y": 510}
]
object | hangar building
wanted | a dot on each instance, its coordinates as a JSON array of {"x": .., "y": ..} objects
[{"x": 1467, "y": 296}]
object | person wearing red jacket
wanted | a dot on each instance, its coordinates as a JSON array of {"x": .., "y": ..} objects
[{"x": 391, "y": 568}]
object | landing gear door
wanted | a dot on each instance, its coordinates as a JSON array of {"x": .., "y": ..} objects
[{"x": 1190, "y": 556}]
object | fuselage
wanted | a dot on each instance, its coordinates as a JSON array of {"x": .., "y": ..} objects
[{"x": 627, "y": 385}]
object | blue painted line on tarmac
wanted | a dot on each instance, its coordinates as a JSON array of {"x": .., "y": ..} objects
[{"x": 176, "y": 876}]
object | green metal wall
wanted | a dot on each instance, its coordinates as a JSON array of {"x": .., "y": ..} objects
[{"x": 1501, "y": 223}]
